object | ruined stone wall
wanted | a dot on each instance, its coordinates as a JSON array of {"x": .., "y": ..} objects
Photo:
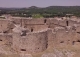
[
  {"x": 36, "y": 27},
  {"x": 63, "y": 23},
  {"x": 6, "y": 39},
  {"x": 62, "y": 31},
  {"x": 77, "y": 31},
  {"x": 33, "y": 21},
  {"x": 31, "y": 42},
  {"x": 57, "y": 23},
  {"x": 51, "y": 38},
  {"x": 64, "y": 36},
  {"x": 16, "y": 41},
  {"x": 16, "y": 21},
  {"x": 41, "y": 24},
  {"x": 4, "y": 25},
  {"x": 28, "y": 21},
  {"x": 72, "y": 22},
  {"x": 35, "y": 24}
]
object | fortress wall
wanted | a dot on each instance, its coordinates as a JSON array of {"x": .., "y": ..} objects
[
  {"x": 30, "y": 22},
  {"x": 40, "y": 23},
  {"x": 65, "y": 37},
  {"x": 48, "y": 21},
  {"x": 16, "y": 41},
  {"x": 54, "y": 21},
  {"x": 78, "y": 28},
  {"x": 35, "y": 24},
  {"x": 10, "y": 26},
  {"x": 9, "y": 39},
  {"x": 34, "y": 42},
  {"x": 59, "y": 36},
  {"x": 71, "y": 22},
  {"x": 40, "y": 27},
  {"x": 36, "y": 27},
  {"x": 51, "y": 37},
  {"x": 57, "y": 23},
  {"x": 60, "y": 22},
  {"x": 63, "y": 23},
  {"x": 6, "y": 39},
  {"x": 78, "y": 32},
  {"x": 53, "y": 26},
  {"x": 33, "y": 21},
  {"x": 4, "y": 25},
  {"x": 78, "y": 36},
  {"x": 17, "y": 21}
]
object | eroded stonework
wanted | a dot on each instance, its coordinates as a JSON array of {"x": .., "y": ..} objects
[{"x": 36, "y": 35}]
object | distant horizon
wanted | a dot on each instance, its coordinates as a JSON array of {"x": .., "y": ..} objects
[
  {"x": 38, "y": 3},
  {"x": 36, "y": 6}
]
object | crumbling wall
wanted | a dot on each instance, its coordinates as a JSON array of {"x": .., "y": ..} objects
[
  {"x": 6, "y": 39},
  {"x": 61, "y": 32},
  {"x": 17, "y": 21},
  {"x": 34, "y": 21},
  {"x": 63, "y": 23},
  {"x": 57, "y": 23},
  {"x": 51, "y": 37},
  {"x": 36, "y": 27},
  {"x": 16, "y": 41},
  {"x": 54, "y": 21},
  {"x": 34, "y": 42},
  {"x": 4, "y": 25},
  {"x": 30, "y": 42},
  {"x": 22, "y": 22},
  {"x": 64, "y": 36},
  {"x": 72, "y": 22},
  {"x": 69, "y": 35},
  {"x": 35, "y": 24},
  {"x": 77, "y": 31}
]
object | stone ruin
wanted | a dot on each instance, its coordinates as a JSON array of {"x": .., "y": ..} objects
[{"x": 36, "y": 35}]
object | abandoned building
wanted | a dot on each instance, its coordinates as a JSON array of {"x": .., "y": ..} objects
[{"x": 36, "y": 35}]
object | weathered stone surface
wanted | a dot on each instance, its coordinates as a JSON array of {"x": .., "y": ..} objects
[
  {"x": 57, "y": 53},
  {"x": 49, "y": 55},
  {"x": 25, "y": 55},
  {"x": 33, "y": 36}
]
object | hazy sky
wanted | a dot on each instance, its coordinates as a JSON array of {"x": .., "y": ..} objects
[{"x": 39, "y": 3}]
